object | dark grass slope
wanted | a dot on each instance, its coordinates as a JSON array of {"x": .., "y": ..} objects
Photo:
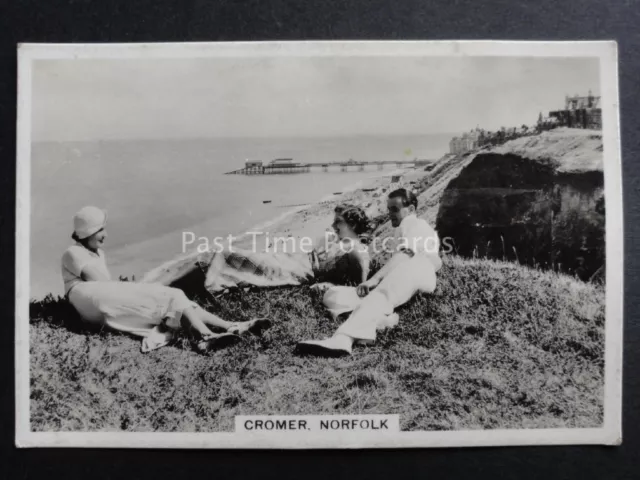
[{"x": 497, "y": 346}]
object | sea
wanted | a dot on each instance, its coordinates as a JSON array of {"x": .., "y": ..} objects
[{"x": 155, "y": 190}]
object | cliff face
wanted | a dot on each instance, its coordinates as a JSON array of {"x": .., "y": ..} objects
[{"x": 535, "y": 200}]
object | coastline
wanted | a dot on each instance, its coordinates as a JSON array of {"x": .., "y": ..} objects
[
  {"x": 143, "y": 261},
  {"x": 309, "y": 221}
]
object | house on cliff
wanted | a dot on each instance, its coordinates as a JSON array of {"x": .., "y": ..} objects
[
  {"x": 580, "y": 112},
  {"x": 465, "y": 143}
]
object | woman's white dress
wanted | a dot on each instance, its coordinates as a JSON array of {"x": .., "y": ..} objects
[{"x": 136, "y": 308}]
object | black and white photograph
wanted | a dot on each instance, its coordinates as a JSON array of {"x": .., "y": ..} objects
[{"x": 318, "y": 245}]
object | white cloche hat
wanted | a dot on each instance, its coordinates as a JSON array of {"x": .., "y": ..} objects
[{"x": 88, "y": 221}]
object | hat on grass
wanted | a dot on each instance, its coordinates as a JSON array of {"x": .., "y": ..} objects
[{"x": 88, "y": 221}]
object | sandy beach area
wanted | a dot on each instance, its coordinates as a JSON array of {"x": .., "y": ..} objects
[
  {"x": 313, "y": 220},
  {"x": 304, "y": 221}
]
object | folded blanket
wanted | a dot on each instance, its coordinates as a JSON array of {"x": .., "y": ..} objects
[
  {"x": 244, "y": 268},
  {"x": 175, "y": 269}
]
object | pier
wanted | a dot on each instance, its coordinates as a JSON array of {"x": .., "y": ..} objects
[
  {"x": 270, "y": 170},
  {"x": 287, "y": 166}
]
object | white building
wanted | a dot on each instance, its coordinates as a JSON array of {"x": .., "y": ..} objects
[{"x": 468, "y": 141}]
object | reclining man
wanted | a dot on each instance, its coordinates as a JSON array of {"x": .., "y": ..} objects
[{"x": 411, "y": 269}]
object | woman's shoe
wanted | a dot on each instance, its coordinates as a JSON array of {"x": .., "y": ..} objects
[
  {"x": 216, "y": 341},
  {"x": 255, "y": 326},
  {"x": 155, "y": 339}
]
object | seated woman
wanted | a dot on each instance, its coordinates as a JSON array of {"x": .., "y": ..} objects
[
  {"x": 342, "y": 259},
  {"x": 147, "y": 310}
]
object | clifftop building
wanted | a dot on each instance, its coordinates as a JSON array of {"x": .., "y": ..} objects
[
  {"x": 468, "y": 141},
  {"x": 578, "y": 103},
  {"x": 580, "y": 112}
]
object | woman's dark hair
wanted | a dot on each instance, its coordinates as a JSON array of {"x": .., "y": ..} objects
[
  {"x": 81, "y": 241},
  {"x": 355, "y": 218}
]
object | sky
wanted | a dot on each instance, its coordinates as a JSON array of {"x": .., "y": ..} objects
[{"x": 86, "y": 100}]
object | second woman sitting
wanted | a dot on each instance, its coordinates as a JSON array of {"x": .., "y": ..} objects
[{"x": 340, "y": 259}]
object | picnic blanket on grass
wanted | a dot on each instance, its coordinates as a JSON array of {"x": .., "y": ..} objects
[{"x": 245, "y": 268}]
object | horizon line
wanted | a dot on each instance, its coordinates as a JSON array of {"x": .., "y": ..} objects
[{"x": 246, "y": 137}]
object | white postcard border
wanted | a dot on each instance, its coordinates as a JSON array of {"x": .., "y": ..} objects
[{"x": 610, "y": 433}]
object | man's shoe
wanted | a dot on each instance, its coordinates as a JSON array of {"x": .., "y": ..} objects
[{"x": 330, "y": 347}]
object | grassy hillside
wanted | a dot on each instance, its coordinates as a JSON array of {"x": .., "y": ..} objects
[{"x": 497, "y": 346}]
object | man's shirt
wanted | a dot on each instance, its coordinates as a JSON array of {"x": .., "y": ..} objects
[{"x": 415, "y": 236}]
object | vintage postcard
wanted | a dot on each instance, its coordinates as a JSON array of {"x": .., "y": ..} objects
[{"x": 318, "y": 245}]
